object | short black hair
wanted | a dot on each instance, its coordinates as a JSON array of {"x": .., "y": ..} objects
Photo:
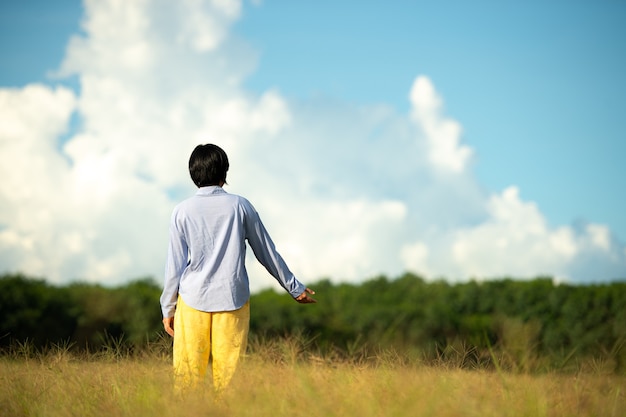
[{"x": 208, "y": 165}]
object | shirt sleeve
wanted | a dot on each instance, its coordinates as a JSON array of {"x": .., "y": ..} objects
[
  {"x": 177, "y": 258},
  {"x": 266, "y": 253}
]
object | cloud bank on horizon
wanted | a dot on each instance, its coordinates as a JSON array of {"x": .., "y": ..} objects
[{"x": 346, "y": 191}]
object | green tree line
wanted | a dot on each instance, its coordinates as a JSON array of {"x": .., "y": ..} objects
[
  {"x": 525, "y": 316},
  {"x": 405, "y": 313}
]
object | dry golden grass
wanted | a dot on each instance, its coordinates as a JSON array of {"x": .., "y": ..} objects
[{"x": 60, "y": 384}]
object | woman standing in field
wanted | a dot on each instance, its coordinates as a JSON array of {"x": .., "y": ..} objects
[{"x": 205, "y": 299}]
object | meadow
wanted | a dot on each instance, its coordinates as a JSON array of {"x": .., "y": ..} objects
[
  {"x": 384, "y": 347},
  {"x": 280, "y": 378}
]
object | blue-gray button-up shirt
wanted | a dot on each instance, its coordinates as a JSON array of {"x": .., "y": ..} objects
[{"x": 207, "y": 251}]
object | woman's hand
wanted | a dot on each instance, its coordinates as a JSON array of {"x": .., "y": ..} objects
[
  {"x": 168, "y": 324},
  {"x": 304, "y": 297}
]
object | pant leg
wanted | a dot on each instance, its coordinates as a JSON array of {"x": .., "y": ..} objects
[
  {"x": 229, "y": 336},
  {"x": 192, "y": 346}
]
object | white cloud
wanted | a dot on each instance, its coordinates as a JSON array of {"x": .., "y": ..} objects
[
  {"x": 515, "y": 239},
  {"x": 415, "y": 258},
  {"x": 599, "y": 235},
  {"x": 346, "y": 192},
  {"x": 442, "y": 134},
  {"x": 32, "y": 172},
  {"x": 204, "y": 29}
]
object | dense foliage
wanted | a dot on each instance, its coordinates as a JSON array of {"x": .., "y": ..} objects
[
  {"x": 525, "y": 317},
  {"x": 85, "y": 315},
  {"x": 404, "y": 313}
]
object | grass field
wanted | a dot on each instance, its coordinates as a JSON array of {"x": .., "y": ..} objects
[{"x": 58, "y": 383}]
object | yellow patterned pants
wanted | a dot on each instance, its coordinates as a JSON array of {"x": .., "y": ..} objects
[{"x": 200, "y": 336}]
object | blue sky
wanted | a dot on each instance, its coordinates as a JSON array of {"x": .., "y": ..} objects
[{"x": 536, "y": 87}]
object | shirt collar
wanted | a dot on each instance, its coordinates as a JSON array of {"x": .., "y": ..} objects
[{"x": 210, "y": 190}]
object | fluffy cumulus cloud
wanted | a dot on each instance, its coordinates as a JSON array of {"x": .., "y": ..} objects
[
  {"x": 90, "y": 176},
  {"x": 441, "y": 134}
]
